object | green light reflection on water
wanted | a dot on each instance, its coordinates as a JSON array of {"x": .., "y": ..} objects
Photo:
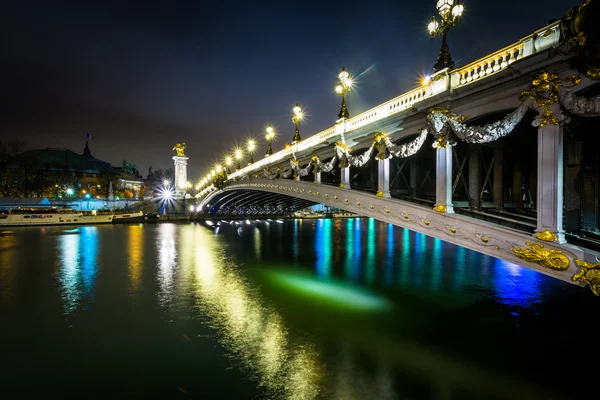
[
  {"x": 334, "y": 294},
  {"x": 349, "y": 248}
]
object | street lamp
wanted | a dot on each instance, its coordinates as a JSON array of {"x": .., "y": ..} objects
[
  {"x": 166, "y": 183},
  {"x": 296, "y": 118},
  {"x": 450, "y": 12},
  {"x": 251, "y": 148},
  {"x": 238, "y": 157},
  {"x": 270, "y": 137},
  {"x": 341, "y": 89}
]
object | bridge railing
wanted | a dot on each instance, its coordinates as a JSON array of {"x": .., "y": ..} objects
[{"x": 538, "y": 41}]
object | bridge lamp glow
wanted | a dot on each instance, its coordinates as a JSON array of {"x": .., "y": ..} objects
[
  {"x": 218, "y": 168},
  {"x": 343, "y": 87},
  {"x": 228, "y": 162},
  {"x": 238, "y": 156},
  {"x": 192, "y": 208},
  {"x": 70, "y": 192},
  {"x": 450, "y": 12},
  {"x": 426, "y": 80},
  {"x": 296, "y": 118},
  {"x": 251, "y": 147},
  {"x": 270, "y": 136}
]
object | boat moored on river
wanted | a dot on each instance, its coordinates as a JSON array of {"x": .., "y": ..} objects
[{"x": 53, "y": 216}]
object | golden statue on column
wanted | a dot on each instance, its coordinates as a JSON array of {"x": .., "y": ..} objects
[{"x": 180, "y": 149}]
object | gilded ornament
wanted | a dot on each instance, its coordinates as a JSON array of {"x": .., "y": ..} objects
[
  {"x": 590, "y": 274},
  {"x": 484, "y": 239},
  {"x": 326, "y": 195},
  {"x": 380, "y": 143},
  {"x": 387, "y": 211},
  {"x": 358, "y": 203},
  {"x": 440, "y": 208},
  {"x": 426, "y": 222},
  {"x": 379, "y": 194},
  {"x": 335, "y": 197},
  {"x": 341, "y": 185},
  {"x": 346, "y": 200},
  {"x": 546, "y": 236},
  {"x": 544, "y": 91},
  {"x": 552, "y": 259},
  {"x": 372, "y": 207},
  {"x": 452, "y": 229},
  {"x": 405, "y": 216},
  {"x": 593, "y": 73},
  {"x": 180, "y": 149}
]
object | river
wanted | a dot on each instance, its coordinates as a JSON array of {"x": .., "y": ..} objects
[{"x": 303, "y": 309}]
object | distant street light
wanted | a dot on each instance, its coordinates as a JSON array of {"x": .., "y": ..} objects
[
  {"x": 251, "y": 148},
  {"x": 270, "y": 137},
  {"x": 450, "y": 12},
  {"x": 238, "y": 156},
  {"x": 166, "y": 183},
  {"x": 296, "y": 118},
  {"x": 228, "y": 164},
  {"x": 341, "y": 89}
]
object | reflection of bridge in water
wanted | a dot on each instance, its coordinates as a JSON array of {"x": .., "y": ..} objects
[{"x": 492, "y": 183}]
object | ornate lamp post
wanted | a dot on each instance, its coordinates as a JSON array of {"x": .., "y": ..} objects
[
  {"x": 228, "y": 163},
  {"x": 450, "y": 12},
  {"x": 341, "y": 89},
  {"x": 251, "y": 148},
  {"x": 296, "y": 118},
  {"x": 238, "y": 157},
  {"x": 270, "y": 137}
]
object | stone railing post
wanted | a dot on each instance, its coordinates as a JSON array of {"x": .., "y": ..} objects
[
  {"x": 550, "y": 172},
  {"x": 383, "y": 178},
  {"x": 443, "y": 180}
]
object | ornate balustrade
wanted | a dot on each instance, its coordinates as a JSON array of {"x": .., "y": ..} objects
[{"x": 538, "y": 41}]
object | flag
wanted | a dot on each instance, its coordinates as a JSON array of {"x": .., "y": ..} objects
[{"x": 88, "y": 136}]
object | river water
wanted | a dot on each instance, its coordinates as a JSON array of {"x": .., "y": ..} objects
[{"x": 304, "y": 309}]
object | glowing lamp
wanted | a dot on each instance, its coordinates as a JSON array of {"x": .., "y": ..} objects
[{"x": 228, "y": 161}]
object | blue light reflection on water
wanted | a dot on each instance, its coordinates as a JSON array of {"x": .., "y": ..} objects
[
  {"x": 357, "y": 262},
  {"x": 323, "y": 247},
  {"x": 77, "y": 259}
]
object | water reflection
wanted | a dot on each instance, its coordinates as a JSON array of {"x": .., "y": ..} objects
[
  {"x": 136, "y": 256},
  {"x": 7, "y": 266},
  {"x": 166, "y": 262},
  {"x": 250, "y": 329},
  {"x": 323, "y": 247},
  {"x": 77, "y": 266}
]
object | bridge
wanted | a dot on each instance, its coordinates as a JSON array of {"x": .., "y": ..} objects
[{"x": 499, "y": 156}]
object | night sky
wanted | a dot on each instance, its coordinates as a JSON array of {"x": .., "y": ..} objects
[{"x": 141, "y": 77}]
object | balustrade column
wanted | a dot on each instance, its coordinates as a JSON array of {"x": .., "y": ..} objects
[
  {"x": 317, "y": 177},
  {"x": 345, "y": 178},
  {"x": 550, "y": 170},
  {"x": 443, "y": 181},
  {"x": 383, "y": 178}
]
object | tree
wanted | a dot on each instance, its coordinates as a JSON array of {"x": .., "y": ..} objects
[{"x": 128, "y": 167}]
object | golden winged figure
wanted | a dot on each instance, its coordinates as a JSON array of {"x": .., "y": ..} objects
[{"x": 180, "y": 149}]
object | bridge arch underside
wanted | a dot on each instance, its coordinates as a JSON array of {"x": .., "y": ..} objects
[
  {"x": 477, "y": 235},
  {"x": 252, "y": 203}
]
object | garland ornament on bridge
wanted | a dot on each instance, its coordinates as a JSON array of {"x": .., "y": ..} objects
[
  {"x": 590, "y": 274},
  {"x": 552, "y": 259}
]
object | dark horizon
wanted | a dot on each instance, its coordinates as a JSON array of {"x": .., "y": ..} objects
[{"x": 140, "y": 79}]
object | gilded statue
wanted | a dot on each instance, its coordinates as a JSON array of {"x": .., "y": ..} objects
[{"x": 180, "y": 149}]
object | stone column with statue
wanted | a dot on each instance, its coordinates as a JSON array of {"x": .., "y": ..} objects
[{"x": 180, "y": 170}]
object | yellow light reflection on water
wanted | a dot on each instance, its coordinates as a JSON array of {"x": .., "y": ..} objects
[
  {"x": 7, "y": 266},
  {"x": 251, "y": 330},
  {"x": 135, "y": 252}
]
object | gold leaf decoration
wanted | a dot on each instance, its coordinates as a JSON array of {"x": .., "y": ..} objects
[
  {"x": 551, "y": 259},
  {"x": 594, "y": 73},
  {"x": 341, "y": 185},
  {"x": 440, "y": 208},
  {"x": 379, "y": 194},
  {"x": 426, "y": 222},
  {"x": 546, "y": 236},
  {"x": 590, "y": 274},
  {"x": 452, "y": 229},
  {"x": 484, "y": 239},
  {"x": 405, "y": 216}
]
